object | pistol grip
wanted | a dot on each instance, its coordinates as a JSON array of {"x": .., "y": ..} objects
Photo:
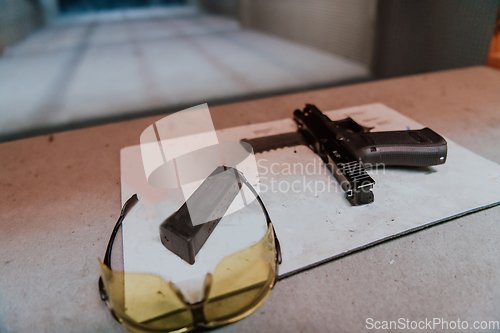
[{"x": 403, "y": 148}]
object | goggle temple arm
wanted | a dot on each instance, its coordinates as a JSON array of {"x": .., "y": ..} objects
[
  {"x": 107, "y": 256},
  {"x": 266, "y": 214}
]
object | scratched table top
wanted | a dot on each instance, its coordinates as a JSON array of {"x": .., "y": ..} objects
[{"x": 60, "y": 197}]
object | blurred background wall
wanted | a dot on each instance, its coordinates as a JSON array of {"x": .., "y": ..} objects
[
  {"x": 73, "y": 63},
  {"x": 230, "y": 8},
  {"x": 342, "y": 27},
  {"x": 393, "y": 37},
  {"x": 416, "y": 36},
  {"x": 19, "y": 18}
]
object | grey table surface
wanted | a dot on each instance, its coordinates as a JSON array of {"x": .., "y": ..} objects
[{"x": 60, "y": 197}]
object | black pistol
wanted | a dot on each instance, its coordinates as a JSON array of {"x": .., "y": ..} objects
[{"x": 348, "y": 149}]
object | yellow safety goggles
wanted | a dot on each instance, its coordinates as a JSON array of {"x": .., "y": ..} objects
[{"x": 238, "y": 286}]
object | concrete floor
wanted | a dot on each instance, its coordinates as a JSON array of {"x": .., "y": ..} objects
[{"x": 101, "y": 67}]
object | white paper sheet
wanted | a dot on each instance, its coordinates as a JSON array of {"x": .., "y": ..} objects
[{"x": 312, "y": 225}]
